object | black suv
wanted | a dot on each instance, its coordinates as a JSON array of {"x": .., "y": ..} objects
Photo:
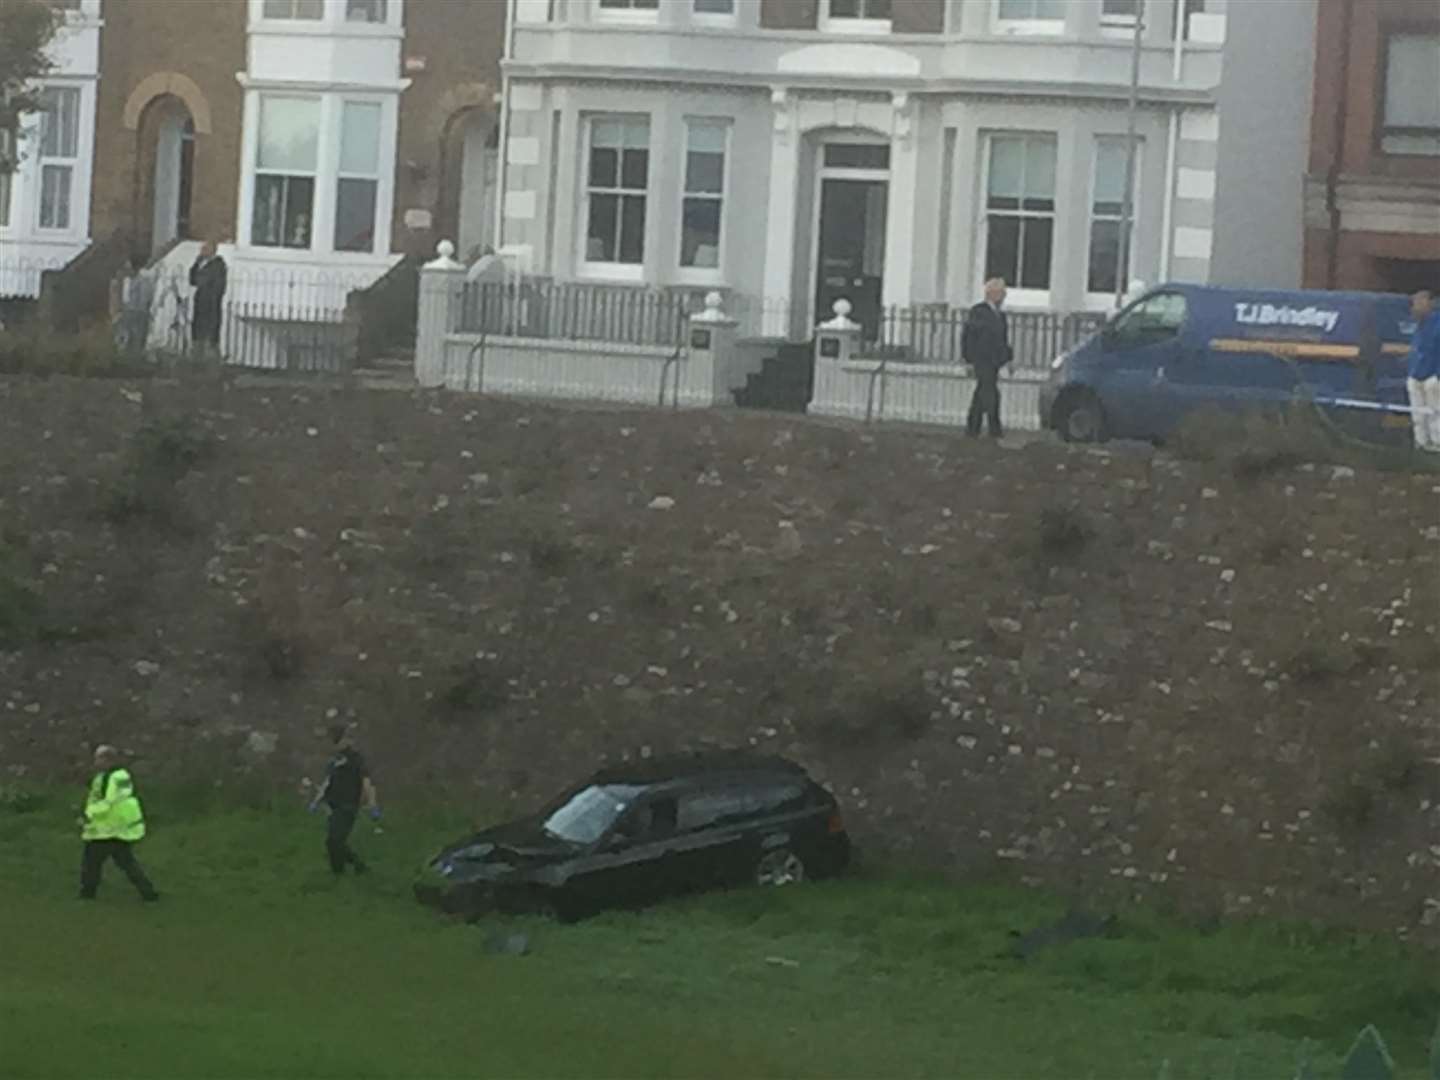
[{"x": 633, "y": 834}]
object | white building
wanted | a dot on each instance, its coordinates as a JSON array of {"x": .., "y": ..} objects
[
  {"x": 895, "y": 152},
  {"x": 45, "y": 201}
]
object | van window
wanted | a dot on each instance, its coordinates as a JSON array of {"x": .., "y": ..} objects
[
  {"x": 720, "y": 806},
  {"x": 1155, "y": 319}
]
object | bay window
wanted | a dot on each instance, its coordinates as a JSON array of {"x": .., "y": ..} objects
[
  {"x": 704, "y": 196},
  {"x": 366, "y": 11},
  {"x": 1411, "y": 122},
  {"x": 286, "y": 163},
  {"x": 617, "y": 183},
  {"x": 358, "y": 183},
  {"x": 1020, "y": 210},
  {"x": 1047, "y": 16},
  {"x": 59, "y": 153},
  {"x": 1108, "y": 270},
  {"x": 294, "y": 9}
]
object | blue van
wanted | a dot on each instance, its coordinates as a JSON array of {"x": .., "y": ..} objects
[{"x": 1180, "y": 349}]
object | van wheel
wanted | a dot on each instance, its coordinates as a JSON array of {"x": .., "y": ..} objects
[
  {"x": 1081, "y": 419},
  {"x": 779, "y": 867}
]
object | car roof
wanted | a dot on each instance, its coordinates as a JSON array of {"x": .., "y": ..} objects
[{"x": 678, "y": 768}]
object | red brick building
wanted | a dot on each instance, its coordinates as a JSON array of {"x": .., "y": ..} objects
[{"x": 1372, "y": 207}]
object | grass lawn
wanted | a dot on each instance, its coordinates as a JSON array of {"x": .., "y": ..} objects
[{"x": 257, "y": 964}]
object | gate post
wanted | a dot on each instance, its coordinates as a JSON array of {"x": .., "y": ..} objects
[
  {"x": 712, "y": 349},
  {"x": 442, "y": 281}
]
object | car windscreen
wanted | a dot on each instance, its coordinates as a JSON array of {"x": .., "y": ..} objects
[{"x": 586, "y": 815}]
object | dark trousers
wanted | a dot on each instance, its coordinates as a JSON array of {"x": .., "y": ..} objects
[
  {"x": 985, "y": 402},
  {"x": 337, "y": 840},
  {"x": 123, "y": 852}
]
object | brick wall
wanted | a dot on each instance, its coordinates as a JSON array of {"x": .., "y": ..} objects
[
  {"x": 204, "y": 42},
  {"x": 460, "y": 46}
]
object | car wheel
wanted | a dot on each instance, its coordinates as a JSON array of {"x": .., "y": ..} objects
[
  {"x": 779, "y": 867},
  {"x": 1081, "y": 419}
]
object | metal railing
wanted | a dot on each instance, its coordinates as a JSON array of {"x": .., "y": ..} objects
[
  {"x": 617, "y": 314},
  {"x": 270, "y": 320},
  {"x": 932, "y": 334}
]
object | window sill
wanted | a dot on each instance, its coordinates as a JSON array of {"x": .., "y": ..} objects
[
  {"x": 694, "y": 275},
  {"x": 713, "y": 22},
  {"x": 1030, "y": 28},
  {"x": 625, "y": 273},
  {"x": 627, "y": 18},
  {"x": 881, "y": 27},
  {"x": 319, "y": 28}
]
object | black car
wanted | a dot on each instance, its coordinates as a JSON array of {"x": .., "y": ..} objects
[{"x": 633, "y": 834}]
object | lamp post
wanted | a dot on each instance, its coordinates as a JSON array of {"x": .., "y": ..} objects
[{"x": 1127, "y": 208}]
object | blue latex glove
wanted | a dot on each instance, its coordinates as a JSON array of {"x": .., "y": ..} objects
[
  {"x": 314, "y": 806},
  {"x": 374, "y": 813}
]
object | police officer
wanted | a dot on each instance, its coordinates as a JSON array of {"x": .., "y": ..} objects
[
  {"x": 112, "y": 825},
  {"x": 347, "y": 786}
]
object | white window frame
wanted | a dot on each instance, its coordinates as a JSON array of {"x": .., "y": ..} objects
[
  {"x": 333, "y": 21},
  {"x": 1106, "y": 300},
  {"x": 849, "y": 24},
  {"x": 614, "y": 271},
  {"x": 1120, "y": 25},
  {"x": 704, "y": 275},
  {"x": 643, "y": 16},
  {"x": 71, "y": 162},
  {"x": 1017, "y": 296},
  {"x": 714, "y": 18},
  {"x": 341, "y": 175},
  {"x": 1004, "y": 24},
  {"x": 327, "y": 177},
  {"x": 314, "y": 175},
  {"x": 293, "y": 5},
  {"x": 1401, "y": 140}
]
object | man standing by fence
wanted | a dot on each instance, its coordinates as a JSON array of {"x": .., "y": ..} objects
[
  {"x": 209, "y": 277},
  {"x": 985, "y": 344},
  {"x": 1424, "y": 372}
]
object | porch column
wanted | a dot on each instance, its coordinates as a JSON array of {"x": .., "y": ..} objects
[
  {"x": 780, "y": 220},
  {"x": 900, "y": 203}
]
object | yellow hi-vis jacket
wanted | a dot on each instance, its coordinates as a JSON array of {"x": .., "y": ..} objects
[{"x": 112, "y": 812}]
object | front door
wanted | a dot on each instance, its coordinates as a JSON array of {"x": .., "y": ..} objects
[{"x": 851, "y": 255}]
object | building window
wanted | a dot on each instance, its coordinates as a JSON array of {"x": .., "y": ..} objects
[
  {"x": 285, "y": 165},
  {"x": 59, "y": 151},
  {"x": 366, "y": 11},
  {"x": 720, "y": 8},
  {"x": 294, "y": 9},
  {"x": 645, "y": 8},
  {"x": 701, "y": 211},
  {"x": 357, "y": 186},
  {"x": 1020, "y": 210},
  {"x": 1412, "y": 95},
  {"x": 1039, "y": 15},
  {"x": 1107, "y": 208},
  {"x": 7, "y": 165},
  {"x": 875, "y": 10},
  {"x": 619, "y": 173},
  {"x": 1119, "y": 12}
]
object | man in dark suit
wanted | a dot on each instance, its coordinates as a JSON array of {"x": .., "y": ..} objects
[
  {"x": 985, "y": 344},
  {"x": 208, "y": 275}
]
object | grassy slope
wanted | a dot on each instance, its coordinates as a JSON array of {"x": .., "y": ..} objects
[{"x": 258, "y": 965}]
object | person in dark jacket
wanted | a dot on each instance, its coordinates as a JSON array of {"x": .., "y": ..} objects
[
  {"x": 347, "y": 787},
  {"x": 985, "y": 344},
  {"x": 209, "y": 277}
]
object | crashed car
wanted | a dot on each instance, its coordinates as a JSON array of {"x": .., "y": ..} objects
[{"x": 634, "y": 834}]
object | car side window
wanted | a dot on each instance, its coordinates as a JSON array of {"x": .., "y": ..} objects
[
  {"x": 649, "y": 820},
  {"x": 722, "y": 806},
  {"x": 1153, "y": 320}
]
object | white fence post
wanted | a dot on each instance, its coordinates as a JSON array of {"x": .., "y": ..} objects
[
  {"x": 713, "y": 355},
  {"x": 836, "y": 341},
  {"x": 442, "y": 282}
]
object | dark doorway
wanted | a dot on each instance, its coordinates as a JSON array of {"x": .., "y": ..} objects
[{"x": 851, "y": 255}]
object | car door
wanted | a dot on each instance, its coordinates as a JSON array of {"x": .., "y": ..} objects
[
  {"x": 714, "y": 846},
  {"x": 1144, "y": 350},
  {"x": 632, "y": 864}
]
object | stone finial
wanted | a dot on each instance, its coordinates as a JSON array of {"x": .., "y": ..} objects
[
  {"x": 842, "y": 320},
  {"x": 445, "y": 258},
  {"x": 714, "y": 311}
]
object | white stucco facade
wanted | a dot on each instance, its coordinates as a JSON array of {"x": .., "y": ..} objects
[
  {"x": 45, "y": 202},
  {"x": 978, "y": 149}
]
